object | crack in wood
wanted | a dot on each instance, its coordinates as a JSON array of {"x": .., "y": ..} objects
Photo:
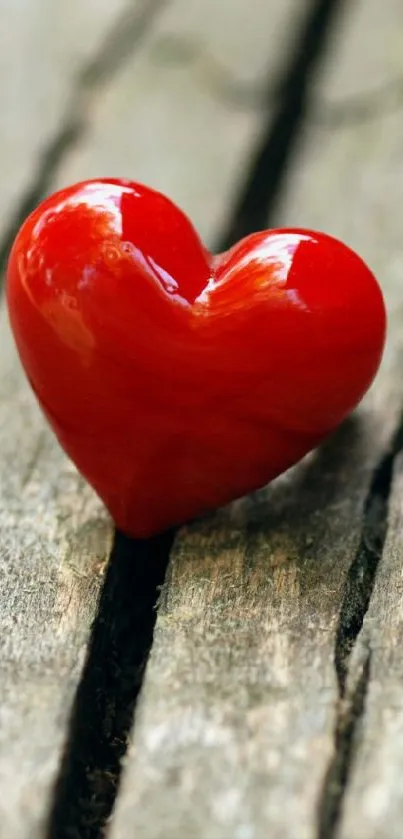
[
  {"x": 257, "y": 201},
  {"x": 120, "y": 42},
  {"x": 361, "y": 576},
  {"x": 110, "y": 684},
  {"x": 356, "y": 599},
  {"x": 349, "y": 715}
]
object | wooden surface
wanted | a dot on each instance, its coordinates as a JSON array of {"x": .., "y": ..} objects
[
  {"x": 272, "y": 698},
  {"x": 54, "y": 535},
  {"x": 359, "y": 167}
]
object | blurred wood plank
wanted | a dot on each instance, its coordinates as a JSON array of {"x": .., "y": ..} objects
[
  {"x": 174, "y": 118},
  {"x": 236, "y": 732},
  {"x": 44, "y": 47}
]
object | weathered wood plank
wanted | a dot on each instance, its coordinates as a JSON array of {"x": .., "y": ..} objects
[
  {"x": 374, "y": 798},
  {"x": 236, "y": 728},
  {"x": 356, "y": 169},
  {"x": 170, "y": 122},
  {"x": 43, "y": 46}
]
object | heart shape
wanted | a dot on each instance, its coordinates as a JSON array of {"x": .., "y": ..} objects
[{"x": 176, "y": 380}]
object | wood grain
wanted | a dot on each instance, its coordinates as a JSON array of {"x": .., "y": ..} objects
[
  {"x": 43, "y": 47},
  {"x": 354, "y": 165},
  {"x": 250, "y": 681},
  {"x": 373, "y": 804}
]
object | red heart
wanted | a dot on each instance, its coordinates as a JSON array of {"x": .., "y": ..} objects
[{"x": 175, "y": 380}]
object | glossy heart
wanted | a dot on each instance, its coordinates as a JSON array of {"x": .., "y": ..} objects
[{"x": 174, "y": 379}]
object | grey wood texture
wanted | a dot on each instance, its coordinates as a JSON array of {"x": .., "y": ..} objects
[
  {"x": 175, "y": 117},
  {"x": 354, "y": 166},
  {"x": 374, "y": 798},
  {"x": 54, "y": 535},
  {"x": 265, "y": 711},
  {"x": 43, "y": 47}
]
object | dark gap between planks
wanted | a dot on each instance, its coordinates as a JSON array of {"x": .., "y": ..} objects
[
  {"x": 356, "y": 599},
  {"x": 257, "y": 201},
  {"x": 111, "y": 680},
  {"x": 122, "y": 632}
]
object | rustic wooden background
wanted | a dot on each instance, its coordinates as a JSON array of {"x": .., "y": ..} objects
[{"x": 272, "y": 703}]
